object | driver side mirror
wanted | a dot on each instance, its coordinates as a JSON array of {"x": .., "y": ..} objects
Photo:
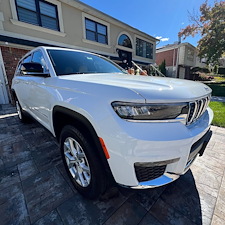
[{"x": 33, "y": 69}]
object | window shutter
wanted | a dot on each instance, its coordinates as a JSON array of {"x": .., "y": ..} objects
[
  {"x": 27, "y": 4},
  {"x": 48, "y": 16},
  {"x": 90, "y": 25},
  {"x": 96, "y": 32},
  {"x": 27, "y": 11},
  {"x": 45, "y": 15},
  {"x": 101, "y": 29}
]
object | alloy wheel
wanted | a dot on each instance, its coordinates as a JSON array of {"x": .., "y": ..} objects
[
  {"x": 18, "y": 108},
  {"x": 77, "y": 162}
]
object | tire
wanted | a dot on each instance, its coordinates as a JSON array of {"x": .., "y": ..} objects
[
  {"x": 21, "y": 114},
  {"x": 82, "y": 164}
]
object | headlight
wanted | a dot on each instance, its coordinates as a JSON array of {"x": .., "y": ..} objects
[{"x": 134, "y": 111}]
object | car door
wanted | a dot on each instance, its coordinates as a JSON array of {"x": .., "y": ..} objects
[
  {"x": 21, "y": 84},
  {"x": 39, "y": 98}
]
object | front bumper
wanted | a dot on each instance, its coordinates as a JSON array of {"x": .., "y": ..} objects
[
  {"x": 197, "y": 148},
  {"x": 147, "y": 143}
]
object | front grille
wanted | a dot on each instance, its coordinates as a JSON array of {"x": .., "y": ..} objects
[
  {"x": 149, "y": 173},
  {"x": 196, "y": 109}
]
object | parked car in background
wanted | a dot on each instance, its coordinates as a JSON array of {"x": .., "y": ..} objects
[{"x": 140, "y": 131}]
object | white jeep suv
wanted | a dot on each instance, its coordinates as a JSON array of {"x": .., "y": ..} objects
[{"x": 141, "y": 131}]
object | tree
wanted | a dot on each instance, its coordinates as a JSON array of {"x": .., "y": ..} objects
[
  {"x": 162, "y": 67},
  {"x": 210, "y": 23},
  {"x": 215, "y": 69}
]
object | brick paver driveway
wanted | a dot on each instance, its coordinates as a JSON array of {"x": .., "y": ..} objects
[{"x": 34, "y": 188}]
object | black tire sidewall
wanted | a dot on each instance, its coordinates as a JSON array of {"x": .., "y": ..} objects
[
  {"x": 23, "y": 118},
  {"x": 97, "y": 183}
]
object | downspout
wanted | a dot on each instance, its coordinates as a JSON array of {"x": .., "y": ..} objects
[
  {"x": 178, "y": 53},
  {"x": 173, "y": 59}
]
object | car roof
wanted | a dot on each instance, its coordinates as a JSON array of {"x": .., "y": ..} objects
[
  {"x": 65, "y": 49},
  {"x": 45, "y": 48}
]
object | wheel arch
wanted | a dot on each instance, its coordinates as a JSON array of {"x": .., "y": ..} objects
[
  {"x": 13, "y": 96},
  {"x": 63, "y": 116}
]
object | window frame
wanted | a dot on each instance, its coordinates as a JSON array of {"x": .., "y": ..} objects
[
  {"x": 147, "y": 42},
  {"x": 38, "y": 13},
  {"x": 131, "y": 44},
  {"x": 88, "y": 16},
  {"x": 96, "y": 31}
]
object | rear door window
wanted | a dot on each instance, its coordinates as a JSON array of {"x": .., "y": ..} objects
[{"x": 25, "y": 60}]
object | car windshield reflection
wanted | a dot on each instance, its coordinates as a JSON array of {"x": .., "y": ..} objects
[{"x": 74, "y": 62}]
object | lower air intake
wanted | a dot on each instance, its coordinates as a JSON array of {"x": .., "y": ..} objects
[{"x": 149, "y": 173}]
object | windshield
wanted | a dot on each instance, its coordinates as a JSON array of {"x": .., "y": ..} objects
[{"x": 71, "y": 62}]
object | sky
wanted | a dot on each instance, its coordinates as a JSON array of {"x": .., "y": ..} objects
[{"x": 162, "y": 19}]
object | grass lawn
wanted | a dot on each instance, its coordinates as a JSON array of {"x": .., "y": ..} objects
[
  {"x": 219, "y": 79},
  {"x": 219, "y": 113},
  {"x": 218, "y": 89}
]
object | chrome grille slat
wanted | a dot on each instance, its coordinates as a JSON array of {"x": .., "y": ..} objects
[
  {"x": 201, "y": 106},
  {"x": 208, "y": 100},
  {"x": 194, "y": 113},
  {"x": 204, "y": 106},
  {"x": 196, "y": 109}
]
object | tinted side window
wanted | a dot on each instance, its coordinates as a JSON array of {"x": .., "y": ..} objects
[
  {"x": 39, "y": 58},
  {"x": 27, "y": 59}
]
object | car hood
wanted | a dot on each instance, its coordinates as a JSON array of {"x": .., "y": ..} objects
[{"x": 153, "y": 89}]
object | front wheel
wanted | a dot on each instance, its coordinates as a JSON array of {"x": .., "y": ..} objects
[{"x": 81, "y": 163}]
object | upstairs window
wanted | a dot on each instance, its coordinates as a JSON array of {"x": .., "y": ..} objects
[
  {"x": 190, "y": 54},
  {"x": 125, "y": 41},
  {"x": 38, "y": 12},
  {"x": 96, "y": 31},
  {"x": 144, "y": 49}
]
